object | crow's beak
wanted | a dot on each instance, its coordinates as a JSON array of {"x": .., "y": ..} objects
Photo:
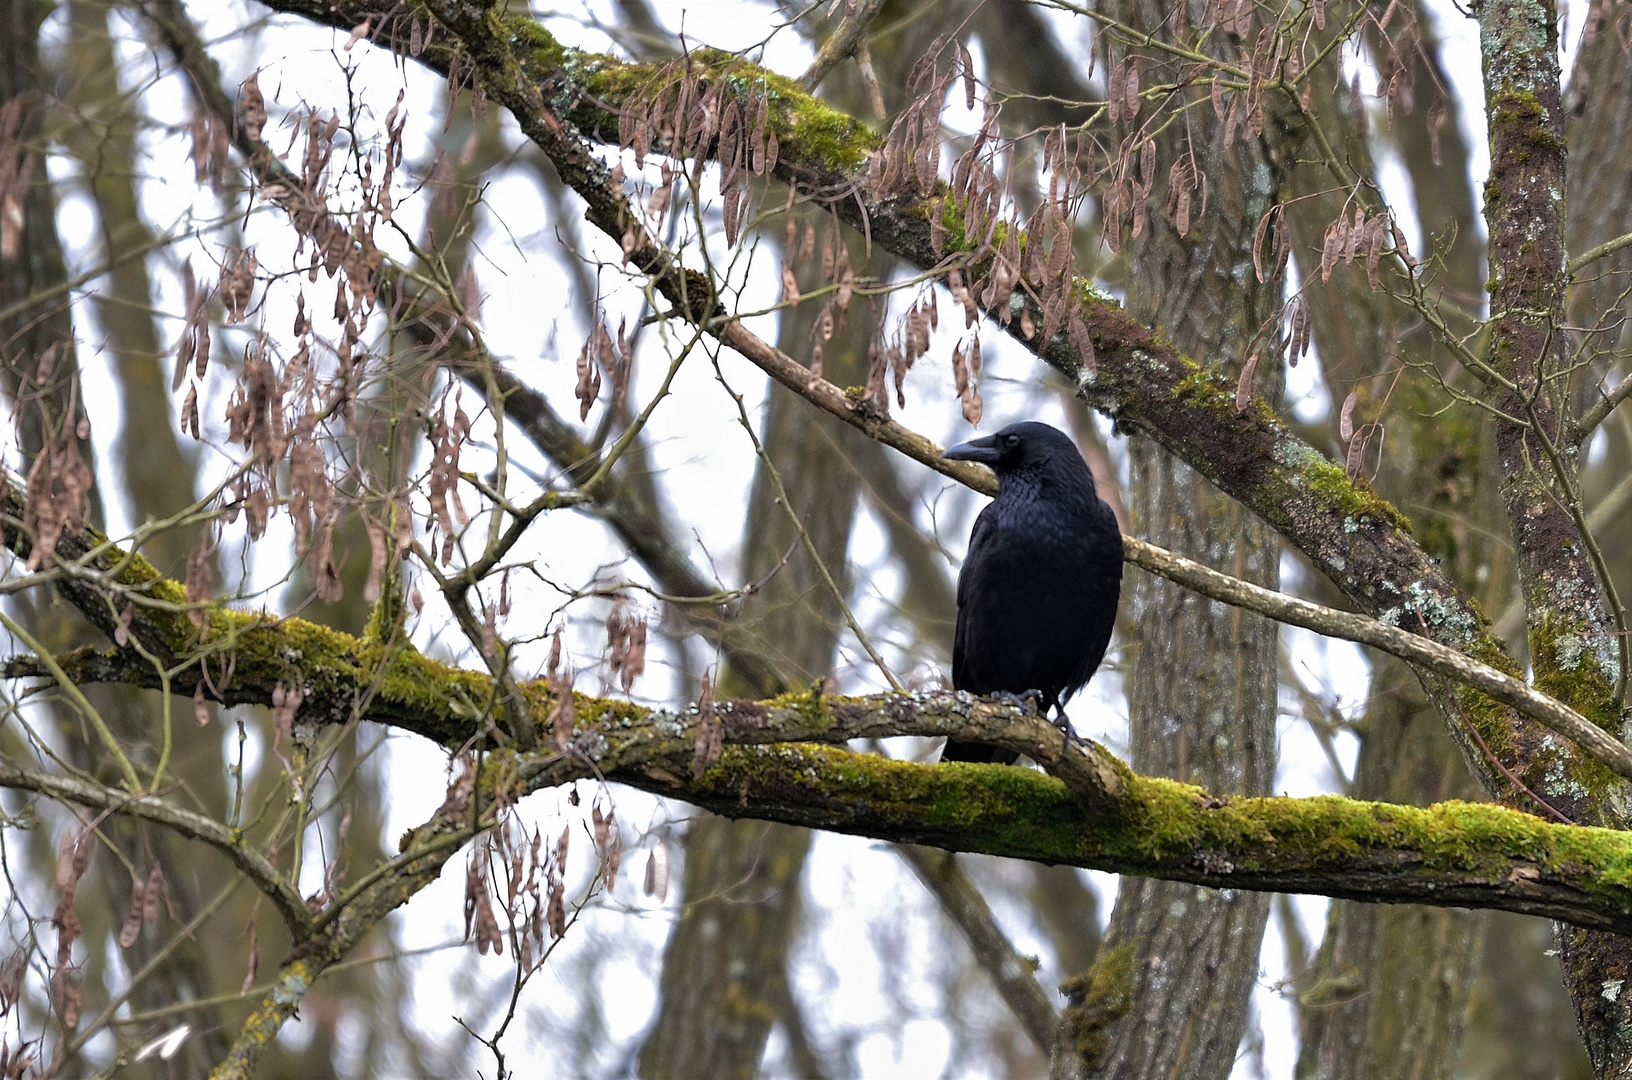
[{"x": 984, "y": 449}]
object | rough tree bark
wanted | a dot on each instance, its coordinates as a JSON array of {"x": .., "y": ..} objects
[{"x": 1565, "y": 608}]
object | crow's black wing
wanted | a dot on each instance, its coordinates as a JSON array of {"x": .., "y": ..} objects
[
  {"x": 1101, "y": 591},
  {"x": 977, "y": 563},
  {"x": 975, "y": 630}
]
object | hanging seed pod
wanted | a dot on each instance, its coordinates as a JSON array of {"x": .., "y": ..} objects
[
  {"x": 1243, "y": 388},
  {"x": 1345, "y": 420}
]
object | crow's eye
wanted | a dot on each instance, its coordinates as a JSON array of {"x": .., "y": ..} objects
[{"x": 1012, "y": 440}]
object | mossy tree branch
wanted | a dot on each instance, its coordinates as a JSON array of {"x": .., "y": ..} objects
[
  {"x": 1450, "y": 855},
  {"x": 1092, "y": 812}
]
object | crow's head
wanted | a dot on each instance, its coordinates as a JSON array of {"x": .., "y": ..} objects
[{"x": 1021, "y": 448}]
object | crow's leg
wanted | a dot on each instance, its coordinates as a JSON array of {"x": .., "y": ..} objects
[{"x": 1061, "y": 721}]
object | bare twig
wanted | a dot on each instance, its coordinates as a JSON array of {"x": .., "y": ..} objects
[
  {"x": 1014, "y": 977},
  {"x": 192, "y": 825},
  {"x": 844, "y": 41},
  {"x": 1599, "y": 411},
  {"x": 1593, "y": 254}
]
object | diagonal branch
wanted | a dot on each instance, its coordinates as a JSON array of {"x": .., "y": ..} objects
[
  {"x": 432, "y": 845},
  {"x": 194, "y": 826},
  {"x": 964, "y": 905}
]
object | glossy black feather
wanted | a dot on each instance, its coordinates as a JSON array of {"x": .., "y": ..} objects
[{"x": 1038, "y": 591}]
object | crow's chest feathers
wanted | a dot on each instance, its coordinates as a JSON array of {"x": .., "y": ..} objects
[{"x": 1030, "y": 525}]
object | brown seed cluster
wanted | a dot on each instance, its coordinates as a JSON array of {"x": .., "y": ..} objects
[{"x": 60, "y": 480}]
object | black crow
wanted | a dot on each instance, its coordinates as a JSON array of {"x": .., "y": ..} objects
[{"x": 1038, "y": 591}]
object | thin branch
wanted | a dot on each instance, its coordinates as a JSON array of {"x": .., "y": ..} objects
[
  {"x": 1015, "y": 979},
  {"x": 1606, "y": 404},
  {"x": 323, "y": 952},
  {"x": 1593, "y": 254},
  {"x": 851, "y": 35},
  {"x": 1440, "y": 659},
  {"x": 192, "y": 825}
]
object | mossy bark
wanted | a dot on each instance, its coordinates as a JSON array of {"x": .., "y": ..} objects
[{"x": 1573, "y": 649}]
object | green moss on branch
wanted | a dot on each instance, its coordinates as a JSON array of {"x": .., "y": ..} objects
[{"x": 1451, "y": 854}]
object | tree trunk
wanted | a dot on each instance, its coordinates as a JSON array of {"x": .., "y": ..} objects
[{"x": 1388, "y": 991}]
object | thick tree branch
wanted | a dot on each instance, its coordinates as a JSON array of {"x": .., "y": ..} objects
[
  {"x": 1095, "y": 814},
  {"x": 1452, "y": 854}
]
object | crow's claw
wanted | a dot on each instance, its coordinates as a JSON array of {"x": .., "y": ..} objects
[{"x": 1030, "y": 700}]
